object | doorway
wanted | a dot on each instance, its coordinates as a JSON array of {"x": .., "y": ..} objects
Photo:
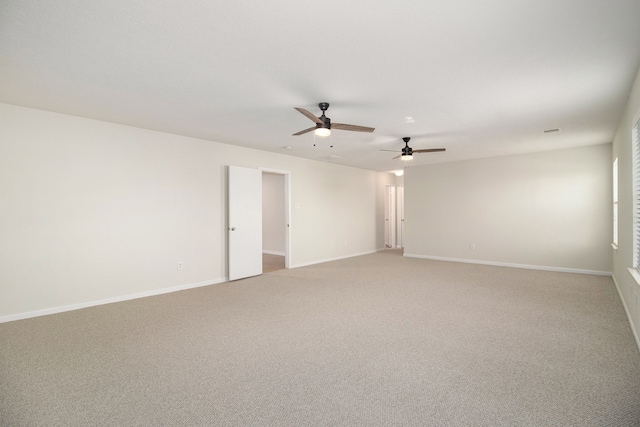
[
  {"x": 394, "y": 216},
  {"x": 399, "y": 216},
  {"x": 245, "y": 221},
  {"x": 275, "y": 220},
  {"x": 389, "y": 216}
]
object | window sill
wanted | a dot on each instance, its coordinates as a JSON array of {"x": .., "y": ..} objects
[{"x": 635, "y": 274}]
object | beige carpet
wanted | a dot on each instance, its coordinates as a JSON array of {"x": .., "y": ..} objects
[{"x": 376, "y": 340}]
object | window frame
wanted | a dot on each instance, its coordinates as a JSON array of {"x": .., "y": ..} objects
[{"x": 635, "y": 160}]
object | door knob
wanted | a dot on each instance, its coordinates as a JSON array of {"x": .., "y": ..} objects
[{"x": 232, "y": 229}]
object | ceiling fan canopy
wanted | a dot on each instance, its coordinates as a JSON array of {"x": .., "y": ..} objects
[{"x": 323, "y": 123}]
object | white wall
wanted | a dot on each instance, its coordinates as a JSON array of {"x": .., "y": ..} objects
[
  {"x": 545, "y": 210},
  {"x": 623, "y": 256},
  {"x": 93, "y": 210},
  {"x": 273, "y": 214}
]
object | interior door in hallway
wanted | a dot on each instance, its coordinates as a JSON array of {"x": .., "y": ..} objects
[
  {"x": 390, "y": 216},
  {"x": 245, "y": 222},
  {"x": 400, "y": 217}
]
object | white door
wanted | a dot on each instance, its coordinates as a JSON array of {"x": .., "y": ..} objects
[{"x": 245, "y": 222}]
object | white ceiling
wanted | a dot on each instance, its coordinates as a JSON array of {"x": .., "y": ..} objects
[{"x": 480, "y": 78}]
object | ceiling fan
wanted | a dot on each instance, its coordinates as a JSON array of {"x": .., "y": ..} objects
[
  {"x": 407, "y": 152},
  {"x": 323, "y": 123}
]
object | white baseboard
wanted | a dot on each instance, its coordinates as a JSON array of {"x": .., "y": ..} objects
[
  {"x": 505, "y": 264},
  {"x": 273, "y": 253},
  {"x": 94, "y": 303},
  {"x": 626, "y": 310},
  {"x": 334, "y": 259}
]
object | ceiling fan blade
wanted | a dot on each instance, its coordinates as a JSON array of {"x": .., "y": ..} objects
[
  {"x": 430, "y": 150},
  {"x": 397, "y": 157},
  {"x": 309, "y": 115},
  {"x": 304, "y": 131},
  {"x": 356, "y": 128},
  {"x": 393, "y": 151}
]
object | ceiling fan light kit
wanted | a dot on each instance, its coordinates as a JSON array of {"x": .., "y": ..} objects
[{"x": 323, "y": 131}]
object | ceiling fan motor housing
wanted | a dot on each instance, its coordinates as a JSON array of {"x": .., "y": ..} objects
[
  {"x": 406, "y": 150},
  {"x": 326, "y": 121}
]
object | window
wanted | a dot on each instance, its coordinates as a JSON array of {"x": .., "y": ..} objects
[
  {"x": 615, "y": 202},
  {"x": 636, "y": 193}
]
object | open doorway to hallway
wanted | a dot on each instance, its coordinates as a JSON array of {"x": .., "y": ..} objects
[
  {"x": 394, "y": 216},
  {"x": 274, "y": 221}
]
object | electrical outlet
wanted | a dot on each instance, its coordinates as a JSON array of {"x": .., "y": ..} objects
[
  {"x": 180, "y": 265},
  {"x": 472, "y": 246}
]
